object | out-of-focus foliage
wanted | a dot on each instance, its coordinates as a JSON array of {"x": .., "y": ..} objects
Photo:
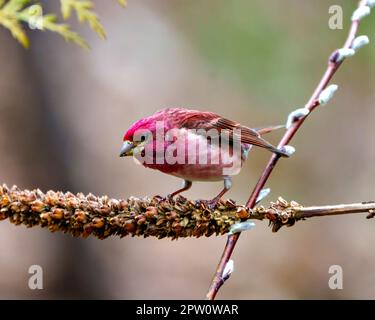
[
  {"x": 258, "y": 44},
  {"x": 84, "y": 13},
  {"x": 13, "y": 13}
]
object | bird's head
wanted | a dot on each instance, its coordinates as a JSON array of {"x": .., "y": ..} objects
[{"x": 139, "y": 136}]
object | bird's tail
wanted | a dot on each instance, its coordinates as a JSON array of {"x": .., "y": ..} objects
[
  {"x": 280, "y": 152},
  {"x": 268, "y": 129}
]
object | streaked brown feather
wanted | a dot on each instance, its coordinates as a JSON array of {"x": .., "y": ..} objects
[{"x": 192, "y": 119}]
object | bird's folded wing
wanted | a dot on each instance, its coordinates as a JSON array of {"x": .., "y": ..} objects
[
  {"x": 208, "y": 121},
  {"x": 243, "y": 134}
]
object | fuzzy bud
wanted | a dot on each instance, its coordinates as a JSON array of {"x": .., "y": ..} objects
[
  {"x": 241, "y": 226},
  {"x": 359, "y": 42},
  {"x": 289, "y": 150},
  {"x": 228, "y": 270},
  {"x": 344, "y": 53},
  {"x": 327, "y": 94},
  {"x": 296, "y": 115},
  {"x": 361, "y": 12},
  {"x": 262, "y": 194}
]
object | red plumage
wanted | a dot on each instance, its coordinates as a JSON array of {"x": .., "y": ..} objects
[{"x": 193, "y": 125}]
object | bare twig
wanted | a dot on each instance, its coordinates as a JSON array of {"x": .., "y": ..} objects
[
  {"x": 334, "y": 63},
  {"x": 283, "y": 213}
]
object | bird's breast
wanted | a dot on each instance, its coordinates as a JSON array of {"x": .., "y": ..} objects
[{"x": 196, "y": 157}]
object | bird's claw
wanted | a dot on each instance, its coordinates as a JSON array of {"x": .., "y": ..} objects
[
  {"x": 169, "y": 197},
  {"x": 210, "y": 204}
]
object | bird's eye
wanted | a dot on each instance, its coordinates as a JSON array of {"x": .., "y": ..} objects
[{"x": 143, "y": 138}]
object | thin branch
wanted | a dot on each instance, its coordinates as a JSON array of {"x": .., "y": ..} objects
[
  {"x": 282, "y": 213},
  {"x": 333, "y": 65},
  {"x": 84, "y": 215}
]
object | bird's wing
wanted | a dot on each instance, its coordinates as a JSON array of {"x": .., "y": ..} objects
[
  {"x": 208, "y": 120},
  {"x": 247, "y": 135}
]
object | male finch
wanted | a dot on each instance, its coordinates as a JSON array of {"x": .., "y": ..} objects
[{"x": 193, "y": 145}]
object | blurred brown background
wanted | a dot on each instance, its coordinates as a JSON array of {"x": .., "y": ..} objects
[{"x": 64, "y": 111}]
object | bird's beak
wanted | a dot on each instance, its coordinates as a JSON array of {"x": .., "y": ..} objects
[{"x": 127, "y": 149}]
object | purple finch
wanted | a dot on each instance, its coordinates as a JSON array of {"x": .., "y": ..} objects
[{"x": 193, "y": 145}]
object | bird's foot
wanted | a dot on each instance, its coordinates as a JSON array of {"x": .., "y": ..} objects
[
  {"x": 169, "y": 197},
  {"x": 210, "y": 204}
]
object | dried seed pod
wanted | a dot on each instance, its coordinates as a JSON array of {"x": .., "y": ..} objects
[
  {"x": 114, "y": 204},
  {"x": 130, "y": 226},
  {"x": 271, "y": 214},
  {"x": 5, "y": 200},
  {"x": 141, "y": 220},
  {"x": 161, "y": 221},
  {"x": 177, "y": 227},
  {"x": 53, "y": 227},
  {"x": 172, "y": 215},
  {"x": 67, "y": 214},
  {"x": 15, "y": 206},
  {"x": 151, "y": 212},
  {"x": 72, "y": 203},
  {"x": 81, "y": 196},
  {"x": 294, "y": 204},
  {"x": 284, "y": 217},
  {"x": 51, "y": 199},
  {"x": 87, "y": 228},
  {"x": 80, "y": 216},
  {"x": 46, "y": 216},
  {"x": 97, "y": 223},
  {"x": 3, "y": 216},
  {"x": 184, "y": 222},
  {"x": 91, "y": 197},
  {"x": 38, "y": 206},
  {"x": 282, "y": 202},
  {"x": 57, "y": 213}
]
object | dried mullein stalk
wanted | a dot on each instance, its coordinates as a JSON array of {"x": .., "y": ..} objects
[{"x": 84, "y": 215}]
